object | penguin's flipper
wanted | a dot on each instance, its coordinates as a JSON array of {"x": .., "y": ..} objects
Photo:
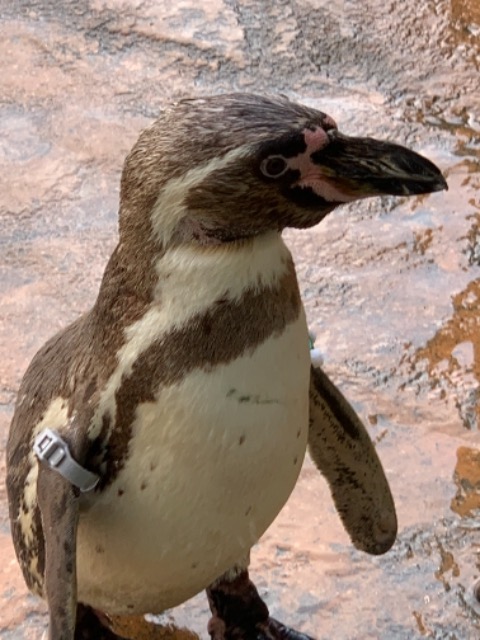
[
  {"x": 344, "y": 453},
  {"x": 58, "y": 496},
  {"x": 58, "y": 501}
]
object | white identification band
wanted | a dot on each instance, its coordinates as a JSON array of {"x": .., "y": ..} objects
[
  {"x": 54, "y": 452},
  {"x": 315, "y": 353}
]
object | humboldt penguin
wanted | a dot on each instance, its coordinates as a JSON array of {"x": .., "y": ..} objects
[{"x": 156, "y": 438}]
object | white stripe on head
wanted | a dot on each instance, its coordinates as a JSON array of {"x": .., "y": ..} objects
[{"x": 170, "y": 207}]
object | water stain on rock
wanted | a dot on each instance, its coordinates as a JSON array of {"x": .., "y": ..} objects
[
  {"x": 467, "y": 478},
  {"x": 454, "y": 353},
  {"x": 390, "y": 286}
]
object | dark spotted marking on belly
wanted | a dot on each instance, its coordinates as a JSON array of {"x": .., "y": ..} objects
[{"x": 253, "y": 399}]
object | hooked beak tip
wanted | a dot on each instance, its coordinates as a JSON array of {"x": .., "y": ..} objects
[
  {"x": 442, "y": 184},
  {"x": 368, "y": 167}
]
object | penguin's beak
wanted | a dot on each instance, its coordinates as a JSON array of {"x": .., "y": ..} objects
[{"x": 364, "y": 167}]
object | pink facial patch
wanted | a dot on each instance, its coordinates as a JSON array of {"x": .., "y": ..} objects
[
  {"x": 325, "y": 188},
  {"x": 315, "y": 140},
  {"x": 311, "y": 175}
]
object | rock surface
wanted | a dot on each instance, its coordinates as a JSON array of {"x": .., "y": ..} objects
[{"x": 391, "y": 287}]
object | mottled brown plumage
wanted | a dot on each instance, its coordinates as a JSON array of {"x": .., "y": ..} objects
[{"x": 187, "y": 387}]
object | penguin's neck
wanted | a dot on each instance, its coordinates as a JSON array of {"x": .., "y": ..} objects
[
  {"x": 184, "y": 279},
  {"x": 197, "y": 276}
]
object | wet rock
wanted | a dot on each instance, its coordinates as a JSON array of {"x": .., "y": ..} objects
[{"x": 390, "y": 286}]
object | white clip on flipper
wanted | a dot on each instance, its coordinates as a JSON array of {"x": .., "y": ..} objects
[{"x": 53, "y": 451}]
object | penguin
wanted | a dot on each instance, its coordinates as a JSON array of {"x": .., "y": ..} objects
[{"x": 156, "y": 438}]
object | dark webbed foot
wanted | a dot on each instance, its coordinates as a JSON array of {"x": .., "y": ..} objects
[
  {"x": 238, "y": 613},
  {"x": 90, "y": 626},
  {"x": 276, "y": 629}
]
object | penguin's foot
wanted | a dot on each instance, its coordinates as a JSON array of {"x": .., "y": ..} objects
[
  {"x": 238, "y": 613},
  {"x": 91, "y": 626}
]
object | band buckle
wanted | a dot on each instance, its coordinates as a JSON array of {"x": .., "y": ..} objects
[{"x": 52, "y": 450}]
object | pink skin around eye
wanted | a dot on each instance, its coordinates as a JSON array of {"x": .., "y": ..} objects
[
  {"x": 311, "y": 174},
  {"x": 315, "y": 140}
]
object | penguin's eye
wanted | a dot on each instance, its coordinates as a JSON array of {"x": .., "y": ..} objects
[{"x": 274, "y": 166}]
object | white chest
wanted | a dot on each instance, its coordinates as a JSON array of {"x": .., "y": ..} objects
[
  {"x": 213, "y": 454},
  {"x": 212, "y": 461}
]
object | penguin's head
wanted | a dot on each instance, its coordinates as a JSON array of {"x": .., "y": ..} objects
[{"x": 230, "y": 167}]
